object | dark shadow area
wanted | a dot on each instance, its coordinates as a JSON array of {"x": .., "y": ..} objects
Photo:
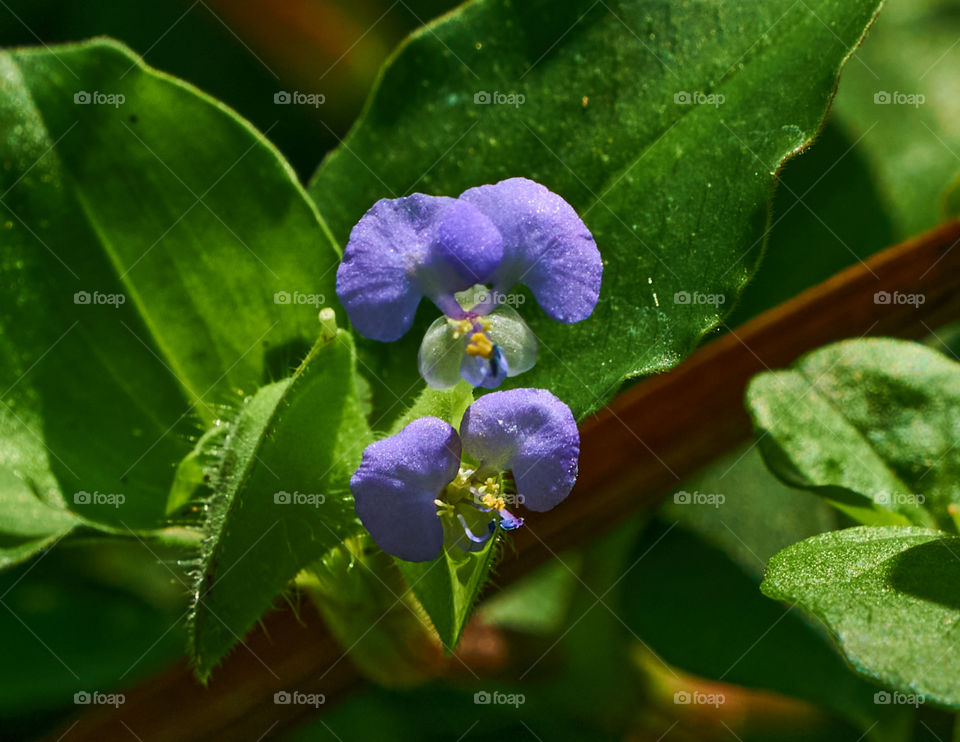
[{"x": 930, "y": 572}]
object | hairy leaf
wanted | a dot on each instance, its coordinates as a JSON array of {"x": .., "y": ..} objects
[
  {"x": 281, "y": 499},
  {"x": 889, "y": 595},
  {"x": 871, "y": 424}
]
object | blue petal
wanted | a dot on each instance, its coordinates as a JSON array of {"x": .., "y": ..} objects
[
  {"x": 403, "y": 249},
  {"x": 396, "y": 485},
  {"x": 529, "y": 432},
  {"x": 488, "y": 373},
  {"x": 470, "y": 243},
  {"x": 546, "y": 247}
]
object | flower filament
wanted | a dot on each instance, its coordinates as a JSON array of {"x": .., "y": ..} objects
[{"x": 468, "y": 495}]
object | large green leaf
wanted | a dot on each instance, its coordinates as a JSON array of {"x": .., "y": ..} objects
[
  {"x": 827, "y": 213},
  {"x": 281, "y": 499},
  {"x": 675, "y": 194},
  {"x": 902, "y": 86},
  {"x": 871, "y": 424},
  {"x": 890, "y": 596},
  {"x": 195, "y": 211},
  {"x": 180, "y": 214}
]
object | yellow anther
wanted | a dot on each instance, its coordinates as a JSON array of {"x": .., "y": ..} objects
[
  {"x": 493, "y": 502},
  {"x": 460, "y": 327},
  {"x": 480, "y": 345}
]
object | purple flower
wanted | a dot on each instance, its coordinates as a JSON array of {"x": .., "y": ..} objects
[
  {"x": 466, "y": 254},
  {"x": 427, "y": 486}
]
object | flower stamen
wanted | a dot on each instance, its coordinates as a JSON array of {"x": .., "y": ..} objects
[
  {"x": 492, "y": 501},
  {"x": 460, "y": 327},
  {"x": 480, "y": 345}
]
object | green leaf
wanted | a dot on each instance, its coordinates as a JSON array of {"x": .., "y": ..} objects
[
  {"x": 84, "y": 619},
  {"x": 192, "y": 477},
  {"x": 448, "y": 586},
  {"x": 27, "y": 523},
  {"x": 701, "y": 612},
  {"x": 950, "y": 200},
  {"x": 198, "y": 215},
  {"x": 449, "y": 405},
  {"x": 281, "y": 498},
  {"x": 827, "y": 213},
  {"x": 889, "y": 595},
  {"x": 675, "y": 194},
  {"x": 695, "y": 598},
  {"x": 186, "y": 221},
  {"x": 870, "y": 424},
  {"x": 912, "y": 51}
]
